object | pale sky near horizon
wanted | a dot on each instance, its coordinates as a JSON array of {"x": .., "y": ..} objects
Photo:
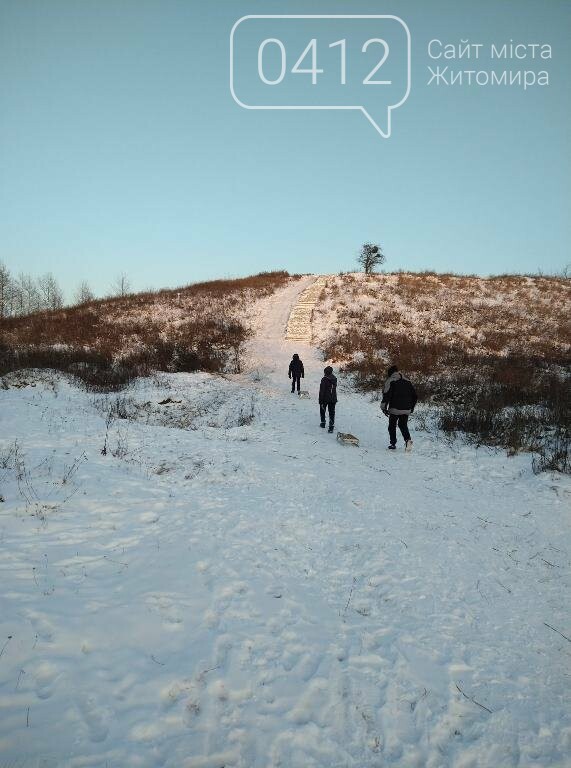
[{"x": 122, "y": 149}]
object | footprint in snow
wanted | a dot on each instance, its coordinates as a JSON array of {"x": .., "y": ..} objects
[
  {"x": 164, "y": 604},
  {"x": 46, "y": 677},
  {"x": 149, "y": 517},
  {"x": 96, "y": 717},
  {"x": 43, "y": 628}
]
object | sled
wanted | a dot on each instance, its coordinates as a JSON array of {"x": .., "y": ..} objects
[
  {"x": 303, "y": 394},
  {"x": 347, "y": 438}
]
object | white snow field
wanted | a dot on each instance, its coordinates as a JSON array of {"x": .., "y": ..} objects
[{"x": 231, "y": 587}]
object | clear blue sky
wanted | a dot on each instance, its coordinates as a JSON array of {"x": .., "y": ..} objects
[{"x": 121, "y": 148}]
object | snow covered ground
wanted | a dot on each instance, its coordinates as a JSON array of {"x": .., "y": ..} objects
[{"x": 229, "y": 586}]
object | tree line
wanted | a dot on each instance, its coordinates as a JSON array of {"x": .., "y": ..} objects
[{"x": 23, "y": 294}]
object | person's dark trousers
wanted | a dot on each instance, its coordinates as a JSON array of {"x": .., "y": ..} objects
[
  {"x": 402, "y": 421},
  {"x": 295, "y": 380},
  {"x": 322, "y": 411}
]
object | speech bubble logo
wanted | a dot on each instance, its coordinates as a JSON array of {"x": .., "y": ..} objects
[{"x": 322, "y": 62}]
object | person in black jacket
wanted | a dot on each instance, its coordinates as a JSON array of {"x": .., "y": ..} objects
[
  {"x": 328, "y": 397},
  {"x": 295, "y": 372},
  {"x": 399, "y": 399}
]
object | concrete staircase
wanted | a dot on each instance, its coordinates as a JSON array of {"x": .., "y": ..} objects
[{"x": 299, "y": 322}]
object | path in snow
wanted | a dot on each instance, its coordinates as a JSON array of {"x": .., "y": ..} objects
[
  {"x": 226, "y": 590},
  {"x": 279, "y": 317}
]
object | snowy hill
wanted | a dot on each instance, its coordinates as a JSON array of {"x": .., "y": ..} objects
[
  {"x": 108, "y": 342},
  {"x": 493, "y": 355},
  {"x": 500, "y": 315},
  {"x": 227, "y": 585}
]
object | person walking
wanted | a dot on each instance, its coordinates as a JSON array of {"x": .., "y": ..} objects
[
  {"x": 295, "y": 372},
  {"x": 328, "y": 397},
  {"x": 399, "y": 399}
]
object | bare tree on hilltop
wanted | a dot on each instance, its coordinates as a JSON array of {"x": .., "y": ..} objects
[
  {"x": 6, "y": 291},
  {"x": 51, "y": 296},
  {"x": 26, "y": 294},
  {"x": 370, "y": 257},
  {"x": 84, "y": 293},
  {"x": 121, "y": 286}
]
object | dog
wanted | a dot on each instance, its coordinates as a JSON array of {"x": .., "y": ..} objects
[
  {"x": 303, "y": 394},
  {"x": 347, "y": 438}
]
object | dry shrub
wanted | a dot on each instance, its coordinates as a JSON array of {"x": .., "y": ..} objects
[
  {"x": 97, "y": 372},
  {"x": 554, "y": 453}
]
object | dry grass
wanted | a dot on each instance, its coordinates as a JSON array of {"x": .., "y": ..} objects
[
  {"x": 495, "y": 352},
  {"x": 427, "y": 321}
]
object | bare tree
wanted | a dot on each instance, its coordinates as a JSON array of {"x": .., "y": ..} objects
[
  {"x": 27, "y": 295},
  {"x": 84, "y": 293},
  {"x": 5, "y": 291},
  {"x": 17, "y": 297},
  {"x": 370, "y": 257},
  {"x": 121, "y": 286},
  {"x": 51, "y": 295},
  {"x": 12, "y": 299}
]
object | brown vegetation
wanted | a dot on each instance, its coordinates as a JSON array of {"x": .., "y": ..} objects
[
  {"x": 493, "y": 353},
  {"x": 106, "y": 342}
]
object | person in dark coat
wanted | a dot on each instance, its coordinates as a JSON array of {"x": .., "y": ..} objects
[
  {"x": 399, "y": 399},
  {"x": 296, "y": 372},
  {"x": 328, "y": 397}
]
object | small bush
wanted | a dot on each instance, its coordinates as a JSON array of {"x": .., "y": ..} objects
[{"x": 554, "y": 454}]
